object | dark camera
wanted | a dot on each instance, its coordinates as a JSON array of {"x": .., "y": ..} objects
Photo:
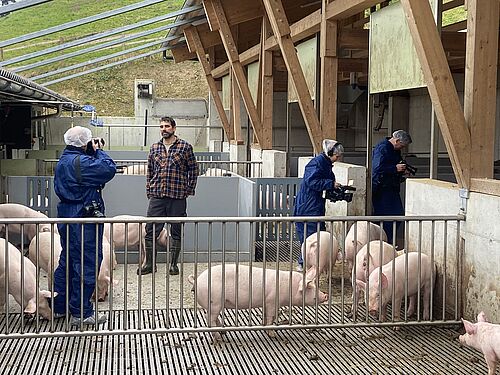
[
  {"x": 93, "y": 209},
  {"x": 98, "y": 141},
  {"x": 410, "y": 168},
  {"x": 341, "y": 193}
]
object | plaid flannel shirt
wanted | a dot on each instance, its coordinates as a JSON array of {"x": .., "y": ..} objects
[{"x": 171, "y": 173}]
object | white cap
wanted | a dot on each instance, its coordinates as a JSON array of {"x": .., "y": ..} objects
[
  {"x": 77, "y": 136},
  {"x": 332, "y": 146}
]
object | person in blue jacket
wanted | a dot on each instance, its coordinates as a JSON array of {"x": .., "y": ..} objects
[
  {"x": 387, "y": 173},
  {"x": 310, "y": 200},
  {"x": 80, "y": 175}
]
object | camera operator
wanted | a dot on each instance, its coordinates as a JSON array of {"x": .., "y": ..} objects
[
  {"x": 310, "y": 201},
  {"x": 80, "y": 175},
  {"x": 387, "y": 173}
]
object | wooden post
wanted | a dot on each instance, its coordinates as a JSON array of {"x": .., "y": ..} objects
[{"x": 480, "y": 83}]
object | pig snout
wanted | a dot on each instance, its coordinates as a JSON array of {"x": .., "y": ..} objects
[{"x": 373, "y": 313}]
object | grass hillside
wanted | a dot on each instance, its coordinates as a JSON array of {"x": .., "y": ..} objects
[{"x": 110, "y": 90}]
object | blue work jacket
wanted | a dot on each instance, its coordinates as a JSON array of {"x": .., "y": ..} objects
[
  {"x": 318, "y": 176},
  {"x": 76, "y": 191},
  {"x": 384, "y": 172}
]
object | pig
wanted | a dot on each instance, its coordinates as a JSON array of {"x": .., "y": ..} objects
[
  {"x": 45, "y": 239},
  {"x": 14, "y": 210},
  {"x": 328, "y": 251},
  {"x": 426, "y": 283},
  {"x": 104, "y": 277},
  {"x": 485, "y": 337},
  {"x": 373, "y": 261},
  {"x": 351, "y": 248},
  {"x": 137, "y": 169},
  {"x": 14, "y": 282},
  {"x": 215, "y": 306},
  {"x": 133, "y": 235}
]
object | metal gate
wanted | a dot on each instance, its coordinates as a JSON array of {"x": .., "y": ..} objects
[{"x": 275, "y": 198}]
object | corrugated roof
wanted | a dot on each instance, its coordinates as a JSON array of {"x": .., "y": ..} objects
[{"x": 15, "y": 88}]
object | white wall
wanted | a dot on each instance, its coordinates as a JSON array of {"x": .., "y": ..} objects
[{"x": 479, "y": 242}]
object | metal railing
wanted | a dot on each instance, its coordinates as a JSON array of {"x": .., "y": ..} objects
[
  {"x": 268, "y": 290},
  {"x": 214, "y": 168}
]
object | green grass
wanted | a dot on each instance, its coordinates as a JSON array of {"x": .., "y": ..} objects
[{"x": 58, "y": 12}]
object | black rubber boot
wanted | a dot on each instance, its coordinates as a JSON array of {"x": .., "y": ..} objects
[
  {"x": 175, "y": 249},
  {"x": 148, "y": 266}
]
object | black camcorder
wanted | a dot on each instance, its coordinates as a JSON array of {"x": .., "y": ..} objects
[
  {"x": 412, "y": 171},
  {"x": 93, "y": 209},
  {"x": 340, "y": 193}
]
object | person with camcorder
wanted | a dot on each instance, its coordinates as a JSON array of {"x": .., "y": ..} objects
[
  {"x": 80, "y": 175},
  {"x": 388, "y": 172},
  {"x": 311, "y": 199}
]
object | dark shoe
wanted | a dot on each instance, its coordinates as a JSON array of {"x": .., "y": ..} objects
[
  {"x": 148, "y": 266},
  {"x": 175, "y": 249}
]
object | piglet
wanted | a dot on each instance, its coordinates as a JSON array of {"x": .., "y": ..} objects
[
  {"x": 364, "y": 233},
  {"x": 328, "y": 249},
  {"x": 367, "y": 261},
  {"x": 485, "y": 337},
  {"x": 240, "y": 283},
  {"x": 44, "y": 256},
  {"x": 14, "y": 210},
  {"x": 14, "y": 283},
  {"x": 387, "y": 277}
]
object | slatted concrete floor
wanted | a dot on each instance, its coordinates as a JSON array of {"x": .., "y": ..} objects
[{"x": 419, "y": 350}]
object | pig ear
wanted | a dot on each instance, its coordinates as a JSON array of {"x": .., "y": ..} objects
[
  {"x": 361, "y": 284},
  {"x": 481, "y": 317},
  {"x": 469, "y": 327},
  {"x": 385, "y": 282},
  {"x": 310, "y": 274}
]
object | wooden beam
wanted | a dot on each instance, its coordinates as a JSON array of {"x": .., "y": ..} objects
[
  {"x": 458, "y": 26},
  {"x": 328, "y": 76},
  {"x": 480, "y": 83},
  {"x": 235, "y": 108},
  {"x": 441, "y": 87},
  {"x": 266, "y": 88},
  {"x": 181, "y": 53},
  {"x": 485, "y": 186},
  {"x": 211, "y": 16},
  {"x": 452, "y": 4},
  {"x": 281, "y": 29},
  {"x": 340, "y": 9},
  {"x": 193, "y": 38},
  {"x": 239, "y": 73}
]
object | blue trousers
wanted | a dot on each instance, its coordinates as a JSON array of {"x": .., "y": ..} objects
[
  {"x": 311, "y": 228},
  {"x": 387, "y": 202},
  {"x": 73, "y": 261}
]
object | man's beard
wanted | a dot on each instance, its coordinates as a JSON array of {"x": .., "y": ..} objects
[{"x": 167, "y": 135}]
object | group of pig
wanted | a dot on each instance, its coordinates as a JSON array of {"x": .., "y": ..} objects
[
  {"x": 370, "y": 259},
  {"x": 45, "y": 249}
]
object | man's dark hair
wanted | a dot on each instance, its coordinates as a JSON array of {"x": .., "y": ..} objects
[{"x": 168, "y": 119}]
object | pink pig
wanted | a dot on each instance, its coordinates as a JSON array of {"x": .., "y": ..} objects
[
  {"x": 14, "y": 283},
  {"x": 374, "y": 299},
  {"x": 373, "y": 261},
  {"x": 352, "y": 246},
  {"x": 14, "y": 210},
  {"x": 258, "y": 291},
  {"x": 45, "y": 239},
  {"x": 328, "y": 250},
  {"x": 104, "y": 277},
  {"x": 485, "y": 337}
]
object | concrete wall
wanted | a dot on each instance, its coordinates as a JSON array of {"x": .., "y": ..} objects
[{"x": 479, "y": 243}]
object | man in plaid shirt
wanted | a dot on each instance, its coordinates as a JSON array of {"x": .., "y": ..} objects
[{"x": 171, "y": 178}]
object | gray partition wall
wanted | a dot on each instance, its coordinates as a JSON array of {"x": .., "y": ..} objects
[{"x": 125, "y": 195}]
